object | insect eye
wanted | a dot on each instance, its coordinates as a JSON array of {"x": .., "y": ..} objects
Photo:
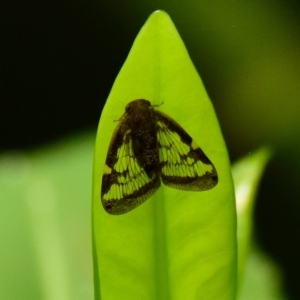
[{"x": 128, "y": 107}]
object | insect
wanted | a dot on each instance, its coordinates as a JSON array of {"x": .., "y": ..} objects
[{"x": 148, "y": 147}]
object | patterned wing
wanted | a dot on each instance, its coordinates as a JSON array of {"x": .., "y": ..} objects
[
  {"x": 125, "y": 185},
  {"x": 184, "y": 165}
]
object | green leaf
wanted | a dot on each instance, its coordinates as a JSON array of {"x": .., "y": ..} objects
[
  {"x": 178, "y": 244},
  {"x": 247, "y": 174}
]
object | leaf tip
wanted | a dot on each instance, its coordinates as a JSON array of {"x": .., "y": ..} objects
[{"x": 160, "y": 15}]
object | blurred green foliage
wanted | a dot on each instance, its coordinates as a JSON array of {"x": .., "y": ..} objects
[
  {"x": 258, "y": 277},
  {"x": 248, "y": 57},
  {"x": 45, "y": 227},
  {"x": 262, "y": 280},
  {"x": 45, "y": 222}
]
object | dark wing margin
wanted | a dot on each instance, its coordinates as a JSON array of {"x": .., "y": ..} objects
[
  {"x": 125, "y": 185},
  {"x": 184, "y": 165}
]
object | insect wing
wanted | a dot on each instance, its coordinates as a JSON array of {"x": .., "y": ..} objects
[
  {"x": 125, "y": 185},
  {"x": 184, "y": 165}
]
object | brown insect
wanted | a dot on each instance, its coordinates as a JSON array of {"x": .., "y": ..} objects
[{"x": 148, "y": 147}]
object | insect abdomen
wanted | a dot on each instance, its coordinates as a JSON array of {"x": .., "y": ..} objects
[{"x": 144, "y": 141}]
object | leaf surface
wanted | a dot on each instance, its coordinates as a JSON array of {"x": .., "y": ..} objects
[{"x": 178, "y": 244}]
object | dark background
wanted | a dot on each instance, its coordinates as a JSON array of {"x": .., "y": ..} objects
[{"x": 58, "y": 61}]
